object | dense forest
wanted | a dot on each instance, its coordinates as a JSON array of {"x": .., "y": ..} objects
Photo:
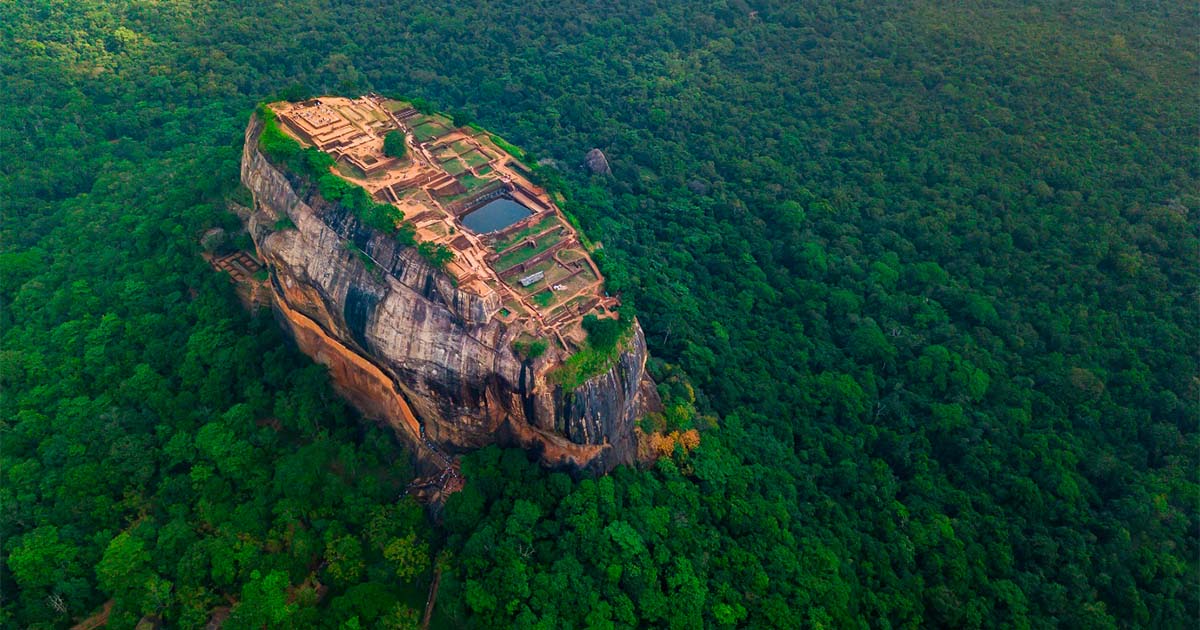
[{"x": 923, "y": 275}]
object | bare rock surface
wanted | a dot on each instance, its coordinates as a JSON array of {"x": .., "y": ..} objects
[{"x": 597, "y": 162}]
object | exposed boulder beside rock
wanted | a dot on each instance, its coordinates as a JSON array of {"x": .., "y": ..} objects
[
  {"x": 597, "y": 163},
  {"x": 214, "y": 240}
]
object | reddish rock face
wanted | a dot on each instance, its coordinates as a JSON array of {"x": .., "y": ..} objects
[
  {"x": 358, "y": 380},
  {"x": 405, "y": 346}
]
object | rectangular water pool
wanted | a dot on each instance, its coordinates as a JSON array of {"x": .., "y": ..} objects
[{"x": 495, "y": 215}]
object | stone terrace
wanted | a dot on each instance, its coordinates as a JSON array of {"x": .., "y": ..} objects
[{"x": 448, "y": 173}]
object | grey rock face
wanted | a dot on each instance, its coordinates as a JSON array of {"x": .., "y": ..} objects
[
  {"x": 447, "y": 355},
  {"x": 597, "y": 163}
]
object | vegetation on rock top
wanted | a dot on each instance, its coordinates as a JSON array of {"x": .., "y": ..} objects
[{"x": 394, "y": 145}]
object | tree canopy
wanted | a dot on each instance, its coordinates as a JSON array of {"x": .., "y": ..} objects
[
  {"x": 394, "y": 145},
  {"x": 919, "y": 276}
]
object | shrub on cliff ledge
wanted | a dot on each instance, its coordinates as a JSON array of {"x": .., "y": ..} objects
[
  {"x": 508, "y": 147},
  {"x": 275, "y": 144},
  {"x": 377, "y": 216},
  {"x": 599, "y": 353},
  {"x": 603, "y": 334},
  {"x": 436, "y": 253},
  {"x": 530, "y": 349},
  {"x": 283, "y": 150},
  {"x": 314, "y": 164}
]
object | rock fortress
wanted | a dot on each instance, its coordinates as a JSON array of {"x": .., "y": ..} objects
[{"x": 468, "y": 334}]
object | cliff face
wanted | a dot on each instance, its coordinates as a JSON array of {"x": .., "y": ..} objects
[{"x": 406, "y": 346}]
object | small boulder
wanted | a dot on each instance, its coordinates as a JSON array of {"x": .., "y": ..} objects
[
  {"x": 214, "y": 240},
  {"x": 597, "y": 163}
]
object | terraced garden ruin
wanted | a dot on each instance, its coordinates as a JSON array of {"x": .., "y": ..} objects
[{"x": 459, "y": 189}]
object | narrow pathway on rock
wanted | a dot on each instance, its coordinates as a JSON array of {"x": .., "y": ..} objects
[{"x": 433, "y": 592}]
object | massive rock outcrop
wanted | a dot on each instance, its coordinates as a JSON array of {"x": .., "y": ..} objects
[{"x": 406, "y": 346}]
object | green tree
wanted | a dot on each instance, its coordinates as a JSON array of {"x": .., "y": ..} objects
[
  {"x": 264, "y": 603},
  {"x": 41, "y": 559},
  {"x": 124, "y": 567},
  {"x": 394, "y": 144},
  {"x": 344, "y": 560},
  {"x": 408, "y": 556},
  {"x": 437, "y": 254}
]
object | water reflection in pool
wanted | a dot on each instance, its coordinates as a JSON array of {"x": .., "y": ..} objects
[{"x": 495, "y": 215}]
